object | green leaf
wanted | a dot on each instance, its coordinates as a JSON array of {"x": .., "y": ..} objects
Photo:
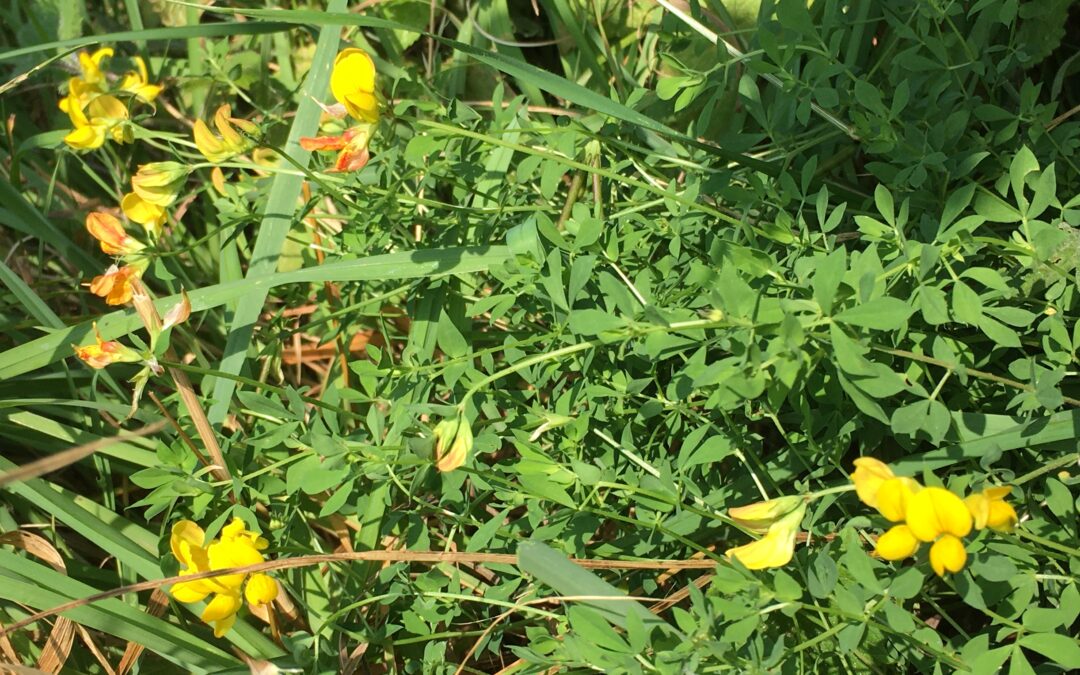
[
  {"x": 1061, "y": 649},
  {"x": 880, "y": 313},
  {"x": 552, "y": 568}
]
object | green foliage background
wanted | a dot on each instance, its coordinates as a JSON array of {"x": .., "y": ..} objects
[{"x": 665, "y": 261}]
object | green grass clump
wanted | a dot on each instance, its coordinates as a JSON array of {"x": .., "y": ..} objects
[{"x": 489, "y": 367}]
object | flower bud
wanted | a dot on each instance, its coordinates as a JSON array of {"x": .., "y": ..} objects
[
  {"x": 759, "y": 516},
  {"x": 230, "y": 143},
  {"x": 989, "y": 509},
  {"x": 108, "y": 230},
  {"x": 453, "y": 441},
  {"x": 160, "y": 182},
  {"x": 776, "y": 548}
]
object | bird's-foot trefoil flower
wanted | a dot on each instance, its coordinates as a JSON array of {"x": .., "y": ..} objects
[
  {"x": 137, "y": 82},
  {"x": 105, "y": 352},
  {"x": 352, "y": 147},
  {"x": 103, "y": 116},
  {"x": 230, "y": 143},
  {"x": 159, "y": 183},
  {"x": 116, "y": 285},
  {"x": 933, "y": 512},
  {"x": 947, "y": 555},
  {"x": 151, "y": 216},
  {"x": 759, "y": 516},
  {"x": 111, "y": 235},
  {"x": 897, "y": 543},
  {"x": 352, "y": 82},
  {"x": 989, "y": 509},
  {"x": 777, "y": 547},
  {"x": 91, "y": 65},
  {"x": 236, "y": 547},
  {"x": 879, "y": 488}
]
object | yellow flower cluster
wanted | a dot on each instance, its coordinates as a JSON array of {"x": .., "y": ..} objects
[
  {"x": 95, "y": 110},
  {"x": 928, "y": 515},
  {"x": 236, "y": 547},
  {"x": 352, "y": 83}
]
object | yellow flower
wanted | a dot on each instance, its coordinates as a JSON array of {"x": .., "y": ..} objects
[
  {"x": 935, "y": 511},
  {"x": 115, "y": 285},
  {"x": 869, "y": 474},
  {"x": 91, "y": 65},
  {"x": 898, "y": 543},
  {"x": 759, "y": 516},
  {"x": 111, "y": 235},
  {"x": 236, "y": 547},
  {"x": 989, "y": 509},
  {"x": 159, "y": 183},
  {"x": 105, "y": 352},
  {"x": 230, "y": 143},
  {"x": 353, "y": 84},
  {"x": 151, "y": 216},
  {"x": 893, "y": 496},
  {"x": 137, "y": 82},
  {"x": 80, "y": 93},
  {"x": 103, "y": 115},
  {"x": 947, "y": 555},
  {"x": 453, "y": 440},
  {"x": 878, "y": 487},
  {"x": 776, "y": 548}
]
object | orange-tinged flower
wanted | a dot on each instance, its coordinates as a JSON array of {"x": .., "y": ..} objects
[
  {"x": 159, "y": 183},
  {"x": 898, "y": 543},
  {"x": 231, "y": 141},
  {"x": 776, "y": 548},
  {"x": 151, "y": 216},
  {"x": 236, "y": 547},
  {"x": 105, "y": 352},
  {"x": 933, "y": 512},
  {"x": 353, "y": 147},
  {"x": 989, "y": 509},
  {"x": 137, "y": 82},
  {"x": 947, "y": 555},
  {"x": 110, "y": 233},
  {"x": 115, "y": 285},
  {"x": 353, "y": 84}
]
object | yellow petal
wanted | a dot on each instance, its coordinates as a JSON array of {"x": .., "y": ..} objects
[
  {"x": 189, "y": 591},
  {"x": 186, "y": 531},
  {"x": 893, "y": 495},
  {"x": 222, "y": 626},
  {"x": 151, "y": 216},
  {"x": 898, "y": 543},
  {"x": 934, "y": 511},
  {"x": 222, "y": 606},
  {"x": 868, "y": 476},
  {"x": 1002, "y": 516},
  {"x": 776, "y": 548},
  {"x": 86, "y": 138},
  {"x": 947, "y": 555},
  {"x": 353, "y": 71},
  {"x": 260, "y": 589},
  {"x": 362, "y": 106}
]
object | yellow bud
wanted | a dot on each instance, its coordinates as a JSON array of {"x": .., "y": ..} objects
[
  {"x": 758, "y": 516},
  {"x": 453, "y": 440},
  {"x": 989, "y": 509},
  {"x": 160, "y": 183}
]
